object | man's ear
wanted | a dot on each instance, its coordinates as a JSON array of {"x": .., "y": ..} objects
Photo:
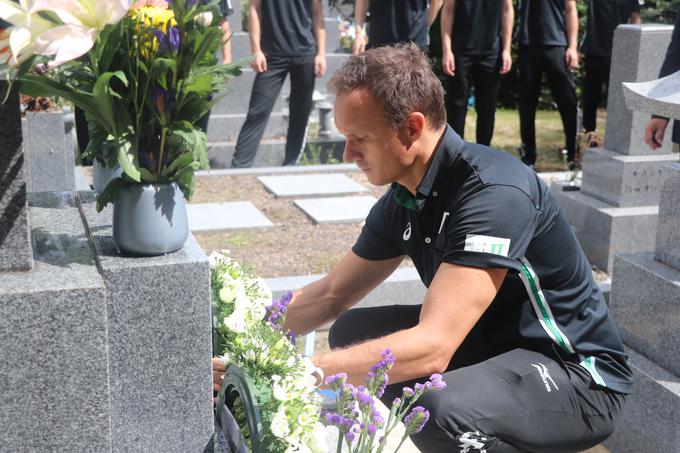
[{"x": 414, "y": 125}]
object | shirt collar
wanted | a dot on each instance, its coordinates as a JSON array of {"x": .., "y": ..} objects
[{"x": 447, "y": 150}]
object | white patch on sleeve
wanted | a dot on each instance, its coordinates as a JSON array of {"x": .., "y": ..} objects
[{"x": 487, "y": 244}]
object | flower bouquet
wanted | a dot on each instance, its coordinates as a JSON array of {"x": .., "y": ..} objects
[{"x": 144, "y": 74}]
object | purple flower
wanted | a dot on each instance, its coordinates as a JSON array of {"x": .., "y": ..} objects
[
  {"x": 337, "y": 379},
  {"x": 364, "y": 399},
  {"x": 163, "y": 99},
  {"x": 415, "y": 421},
  {"x": 191, "y": 3},
  {"x": 168, "y": 41},
  {"x": 408, "y": 392},
  {"x": 276, "y": 312}
]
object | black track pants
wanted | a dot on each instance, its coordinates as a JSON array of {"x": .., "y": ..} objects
[
  {"x": 533, "y": 61},
  {"x": 266, "y": 89},
  {"x": 597, "y": 75},
  {"x": 517, "y": 401},
  {"x": 481, "y": 73}
]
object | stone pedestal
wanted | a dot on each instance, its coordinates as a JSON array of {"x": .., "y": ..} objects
[
  {"x": 617, "y": 207},
  {"x": 15, "y": 245}
]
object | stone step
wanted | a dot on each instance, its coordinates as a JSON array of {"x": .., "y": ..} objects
[
  {"x": 645, "y": 302},
  {"x": 226, "y": 126},
  {"x": 651, "y": 420},
  {"x": 623, "y": 180},
  {"x": 604, "y": 230}
]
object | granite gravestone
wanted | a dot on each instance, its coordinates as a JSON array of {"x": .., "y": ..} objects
[
  {"x": 645, "y": 301},
  {"x": 617, "y": 207}
]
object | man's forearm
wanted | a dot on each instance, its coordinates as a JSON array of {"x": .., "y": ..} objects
[
  {"x": 254, "y": 27},
  {"x": 319, "y": 28},
  {"x": 312, "y": 307},
  {"x": 446, "y": 24},
  {"x": 572, "y": 23},
  {"x": 506, "y": 25},
  {"x": 360, "y": 10},
  {"x": 435, "y": 6}
]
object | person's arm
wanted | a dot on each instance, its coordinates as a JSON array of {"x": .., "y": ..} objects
[
  {"x": 635, "y": 18},
  {"x": 507, "y": 21},
  {"x": 433, "y": 10},
  {"x": 319, "y": 27},
  {"x": 446, "y": 26},
  {"x": 324, "y": 300},
  {"x": 259, "y": 63},
  {"x": 571, "y": 16},
  {"x": 456, "y": 299},
  {"x": 226, "y": 41},
  {"x": 360, "y": 10}
]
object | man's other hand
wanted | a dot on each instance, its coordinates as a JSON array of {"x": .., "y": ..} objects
[
  {"x": 571, "y": 58},
  {"x": 359, "y": 44},
  {"x": 654, "y": 132},
  {"x": 448, "y": 63},
  {"x": 319, "y": 65},
  {"x": 219, "y": 371},
  {"x": 506, "y": 62},
  {"x": 259, "y": 63}
]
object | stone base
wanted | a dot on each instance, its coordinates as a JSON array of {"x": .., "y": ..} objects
[
  {"x": 54, "y": 374},
  {"x": 652, "y": 415},
  {"x": 645, "y": 302},
  {"x": 604, "y": 230},
  {"x": 226, "y": 126}
]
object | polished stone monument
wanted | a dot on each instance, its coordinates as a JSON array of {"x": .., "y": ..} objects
[
  {"x": 617, "y": 206},
  {"x": 645, "y": 301}
]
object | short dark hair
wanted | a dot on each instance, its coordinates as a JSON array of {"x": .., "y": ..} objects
[{"x": 399, "y": 78}]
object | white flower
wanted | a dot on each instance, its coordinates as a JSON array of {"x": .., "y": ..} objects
[
  {"x": 236, "y": 322},
  {"x": 27, "y": 27},
  {"x": 279, "y": 426},
  {"x": 204, "y": 19},
  {"x": 318, "y": 441},
  {"x": 279, "y": 391}
]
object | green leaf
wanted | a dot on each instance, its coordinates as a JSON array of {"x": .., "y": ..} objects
[
  {"x": 103, "y": 94},
  {"x": 128, "y": 162},
  {"x": 146, "y": 175},
  {"x": 160, "y": 69},
  {"x": 181, "y": 162},
  {"x": 185, "y": 181},
  {"x": 110, "y": 193}
]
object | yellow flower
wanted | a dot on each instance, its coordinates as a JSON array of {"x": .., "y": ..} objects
[{"x": 151, "y": 18}]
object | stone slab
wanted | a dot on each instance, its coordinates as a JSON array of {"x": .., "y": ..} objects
[
  {"x": 660, "y": 96},
  {"x": 337, "y": 209},
  {"x": 49, "y": 159},
  {"x": 237, "y": 96},
  {"x": 637, "y": 55},
  {"x": 651, "y": 420},
  {"x": 624, "y": 181},
  {"x": 225, "y": 216},
  {"x": 311, "y": 185},
  {"x": 160, "y": 338},
  {"x": 645, "y": 302},
  {"x": 54, "y": 374},
  {"x": 226, "y": 126},
  {"x": 604, "y": 230},
  {"x": 15, "y": 244},
  {"x": 667, "y": 235}
]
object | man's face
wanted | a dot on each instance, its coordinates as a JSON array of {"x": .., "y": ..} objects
[{"x": 371, "y": 142}]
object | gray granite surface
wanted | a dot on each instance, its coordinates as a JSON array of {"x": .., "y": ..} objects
[
  {"x": 159, "y": 344},
  {"x": 15, "y": 246},
  {"x": 49, "y": 160},
  {"x": 624, "y": 181},
  {"x": 54, "y": 377},
  {"x": 667, "y": 229},
  {"x": 225, "y": 216},
  {"x": 636, "y": 57},
  {"x": 310, "y": 185},
  {"x": 645, "y": 302},
  {"x": 651, "y": 422},
  {"x": 604, "y": 230},
  {"x": 337, "y": 209},
  {"x": 660, "y": 97},
  {"x": 226, "y": 126}
]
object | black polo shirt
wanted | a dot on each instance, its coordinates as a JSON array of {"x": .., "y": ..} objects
[
  {"x": 603, "y": 18},
  {"x": 483, "y": 208},
  {"x": 542, "y": 23},
  {"x": 395, "y": 21},
  {"x": 476, "y": 27},
  {"x": 286, "y": 28}
]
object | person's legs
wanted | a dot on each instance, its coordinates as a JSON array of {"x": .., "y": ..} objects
[
  {"x": 486, "y": 80},
  {"x": 457, "y": 94},
  {"x": 266, "y": 89},
  {"x": 563, "y": 89},
  {"x": 300, "y": 106},
  {"x": 518, "y": 401},
  {"x": 592, "y": 88},
  {"x": 529, "y": 89}
]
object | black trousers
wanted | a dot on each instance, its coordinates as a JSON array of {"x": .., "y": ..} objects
[
  {"x": 516, "y": 401},
  {"x": 266, "y": 89},
  {"x": 597, "y": 75},
  {"x": 480, "y": 72},
  {"x": 533, "y": 61}
]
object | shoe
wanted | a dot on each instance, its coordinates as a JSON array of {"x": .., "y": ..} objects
[
  {"x": 571, "y": 165},
  {"x": 528, "y": 158}
]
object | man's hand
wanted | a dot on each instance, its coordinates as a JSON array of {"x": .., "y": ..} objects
[
  {"x": 506, "y": 62},
  {"x": 448, "y": 63},
  {"x": 654, "y": 132},
  {"x": 219, "y": 372},
  {"x": 359, "y": 44},
  {"x": 571, "y": 58},
  {"x": 259, "y": 63},
  {"x": 319, "y": 65}
]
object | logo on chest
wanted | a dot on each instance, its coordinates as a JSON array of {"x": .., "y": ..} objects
[{"x": 407, "y": 232}]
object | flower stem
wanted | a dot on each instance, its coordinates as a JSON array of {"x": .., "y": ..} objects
[
  {"x": 403, "y": 439},
  {"x": 339, "y": 448},
  {"x": 160, "y": 158}
]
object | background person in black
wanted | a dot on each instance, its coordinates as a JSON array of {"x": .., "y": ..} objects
[
  {"x": 656, "y": 128},
  {"x": 512, "y": 316},
  {"x": 286, "y": 37},
  {"x": 547, "y": 35},
  {"x": 476, "y": 36},
  {"x": 394, "y": 21},
  {"x": 603, "y": 18}
]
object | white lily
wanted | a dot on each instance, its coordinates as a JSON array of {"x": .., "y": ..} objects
[
  {"x": 83, "y": 20},
  {"x": 17, "y": 43}
]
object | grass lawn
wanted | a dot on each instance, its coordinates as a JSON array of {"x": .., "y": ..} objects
[{"x": 549, "y": 135}]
